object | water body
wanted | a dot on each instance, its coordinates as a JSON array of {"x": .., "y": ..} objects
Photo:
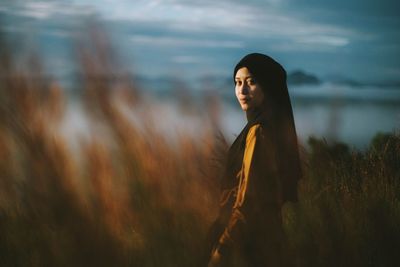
[{"x": 336, "y": 112}]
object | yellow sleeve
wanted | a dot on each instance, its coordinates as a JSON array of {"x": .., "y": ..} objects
[
  {"x": 237, "y": 217},
  {"x": 247, "y": 160}
]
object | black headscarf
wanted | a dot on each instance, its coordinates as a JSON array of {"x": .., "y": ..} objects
[{"x": 271, "y": 76}]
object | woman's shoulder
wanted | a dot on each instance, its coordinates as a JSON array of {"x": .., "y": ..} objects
[
  {"x": 259, "y": 127},
  {"x": 261, "y": 131},
  {"x": 254, "y": 130}
]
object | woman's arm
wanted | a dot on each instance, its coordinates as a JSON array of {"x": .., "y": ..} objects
[{"x": 248, "y": 174}]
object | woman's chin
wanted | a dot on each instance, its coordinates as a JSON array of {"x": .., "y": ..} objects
[{"x": 245, "y": 107}]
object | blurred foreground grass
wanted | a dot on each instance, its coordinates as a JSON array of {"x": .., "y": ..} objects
[{"x": 130, "y": 197}]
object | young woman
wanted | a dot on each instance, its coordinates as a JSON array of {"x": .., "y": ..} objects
[{"x": 262, "y": 170}]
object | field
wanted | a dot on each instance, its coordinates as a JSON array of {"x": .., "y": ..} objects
[{"x": 128, "y": 196}]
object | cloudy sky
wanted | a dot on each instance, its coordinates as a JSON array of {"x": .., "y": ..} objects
[{"x": 358, "y": 39}]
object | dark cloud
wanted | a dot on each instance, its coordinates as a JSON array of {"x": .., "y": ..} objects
[{"x": 384, "y": 8}]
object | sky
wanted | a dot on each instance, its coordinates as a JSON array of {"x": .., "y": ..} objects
[{"x": 354, "y": 39}]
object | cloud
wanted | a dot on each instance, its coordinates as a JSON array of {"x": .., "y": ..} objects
[
  {"x": 324, "y": 40},
  {"x": 181, "y": 41},
  {"x": 43, "y": 10},
  {"x": 297, "y": 29},
  {"x": 37, "y": 10},
  {"x": 371, "y": 8},
  {"x": 242, "y": 21}
]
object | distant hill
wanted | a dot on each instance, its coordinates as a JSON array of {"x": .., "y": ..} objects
[{"x": 300, "y": 77}]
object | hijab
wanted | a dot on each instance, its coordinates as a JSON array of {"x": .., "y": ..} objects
[{"x": 271, "y": 76}]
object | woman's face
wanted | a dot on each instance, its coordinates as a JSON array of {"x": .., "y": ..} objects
[{"x": 248, "y": 91}]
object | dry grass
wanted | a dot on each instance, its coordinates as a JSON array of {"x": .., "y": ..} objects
[{"x": 128, "y": 196}]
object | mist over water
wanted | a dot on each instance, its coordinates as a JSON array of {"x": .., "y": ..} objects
[
  {"x": 352, "y": 123},
  {"x": 350, "y": 115},
  {"x": 336, "y": 113}
]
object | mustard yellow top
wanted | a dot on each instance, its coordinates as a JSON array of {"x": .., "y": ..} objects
[{"x": 243, "y": 176}]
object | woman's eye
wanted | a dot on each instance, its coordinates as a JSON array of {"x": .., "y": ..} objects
[
  {"x": 250, "y": 82},
  {"x": 238, "y": 83}
]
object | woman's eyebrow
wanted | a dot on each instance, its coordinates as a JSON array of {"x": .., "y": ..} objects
[{"x": 247, "y": 77}]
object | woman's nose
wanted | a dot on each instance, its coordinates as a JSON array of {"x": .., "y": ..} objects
[{"x": 244, "y": 89}]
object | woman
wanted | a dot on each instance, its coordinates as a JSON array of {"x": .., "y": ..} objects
[{"x": 262, "y": 170}]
